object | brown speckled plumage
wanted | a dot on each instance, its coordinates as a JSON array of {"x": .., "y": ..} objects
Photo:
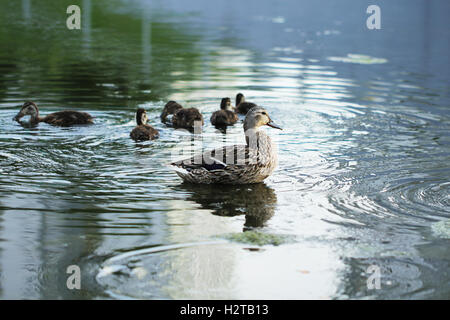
[
  {"x": 181, "y": 117},
  {"x": 225, "y": 116},
  {"x": 242, "y": 106},
  {"x": 62, "y": 118},
  {"x": 170, "y": 108},
  {"x": 238, "y": 164},
  {"x": 143, "y": 131},
  {"x": 186, "y": 118}
]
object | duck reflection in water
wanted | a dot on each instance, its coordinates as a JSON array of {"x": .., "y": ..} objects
[{"x": 256, "y": 201}]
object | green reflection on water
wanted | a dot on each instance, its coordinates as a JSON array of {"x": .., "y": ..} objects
[{"x": 116, "y": 59}]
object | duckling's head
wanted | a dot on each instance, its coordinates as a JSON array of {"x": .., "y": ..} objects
[
  {"x": 29, "y": 108},
  {"x": 170, "y": 108},
  {"x": 257, "y": 117},
  {"x": 141, "y": 116},
  {"x": 225, "y": 104},
  {"x": 239, "y": 98}
]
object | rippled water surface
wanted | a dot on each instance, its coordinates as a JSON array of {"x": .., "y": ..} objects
[{"x": 363, "y": 176}]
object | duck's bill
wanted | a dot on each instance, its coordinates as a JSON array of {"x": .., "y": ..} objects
[
  {"x": 274, "y": 125},
  {"x": 18, "y": 117}
]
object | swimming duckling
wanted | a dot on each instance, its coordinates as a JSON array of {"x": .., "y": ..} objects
[
  {"x": 250, "y": 163},
  {"x": 170, "y": 108},
  {"x": 242, "y": 106},
  {"x": 186, "y": 118},
  {"x": 61, "y": 118},
  {"x": 226, "y": 116},
  {"x": 143, "y": 131}
]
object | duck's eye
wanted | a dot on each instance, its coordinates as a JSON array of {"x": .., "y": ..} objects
[{"x": 264, "y": 113}]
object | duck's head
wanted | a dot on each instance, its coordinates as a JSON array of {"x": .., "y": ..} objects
[
  {"x": 239, "y": 98},
  {"x": 225, "y": 104},
  {"x": 169, "y": 109},
  {"x": 141, "y": 116},
  {"x": 257, "y": 117},
  {"x": 28, "y": 109},
  {"x": 173, "y": 106}
]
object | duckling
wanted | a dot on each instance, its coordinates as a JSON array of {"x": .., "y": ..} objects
[
  {"x": 250, "y": 163},
  {"x": 61, "y": 118},
  {"x": 243, "y": 107},
  {"x": 226, "y": 116},
  {"x": 143, "y": 131},
  {"x": 186, "y": 118},
  {"x": 170, "y": 108}
]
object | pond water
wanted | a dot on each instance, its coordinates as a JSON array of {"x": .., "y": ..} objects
[{"x": 364, "y": 158}]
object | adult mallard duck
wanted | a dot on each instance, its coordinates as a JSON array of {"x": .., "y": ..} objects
[
  {"x": 242, "y": 106},
  {"x": 61, "y": 118},
  {"x": 238, "y": 164},
  {"x": 143, "y": 131},
  {"x": 225, "y": 116}
]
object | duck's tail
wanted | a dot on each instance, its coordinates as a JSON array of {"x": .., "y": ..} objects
[{"x": 177, "y": 169}]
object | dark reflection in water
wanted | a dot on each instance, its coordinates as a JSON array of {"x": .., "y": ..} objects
[{"x": 257, "y": 202}]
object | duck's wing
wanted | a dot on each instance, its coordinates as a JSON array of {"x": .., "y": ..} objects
[
  {"x": 232, "y": 117},
  {"x": 244, "y": 107},
  {"x": 186, "y": 118},
  {"x": 213, "y": 118},
  {"x": 137, "y": 134},
  {"x": 144, "y": 132},
  {"x": 219, "y": 159},
  {"x": 68, "y": 118},
  {"x": 224, "y": 118}
]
